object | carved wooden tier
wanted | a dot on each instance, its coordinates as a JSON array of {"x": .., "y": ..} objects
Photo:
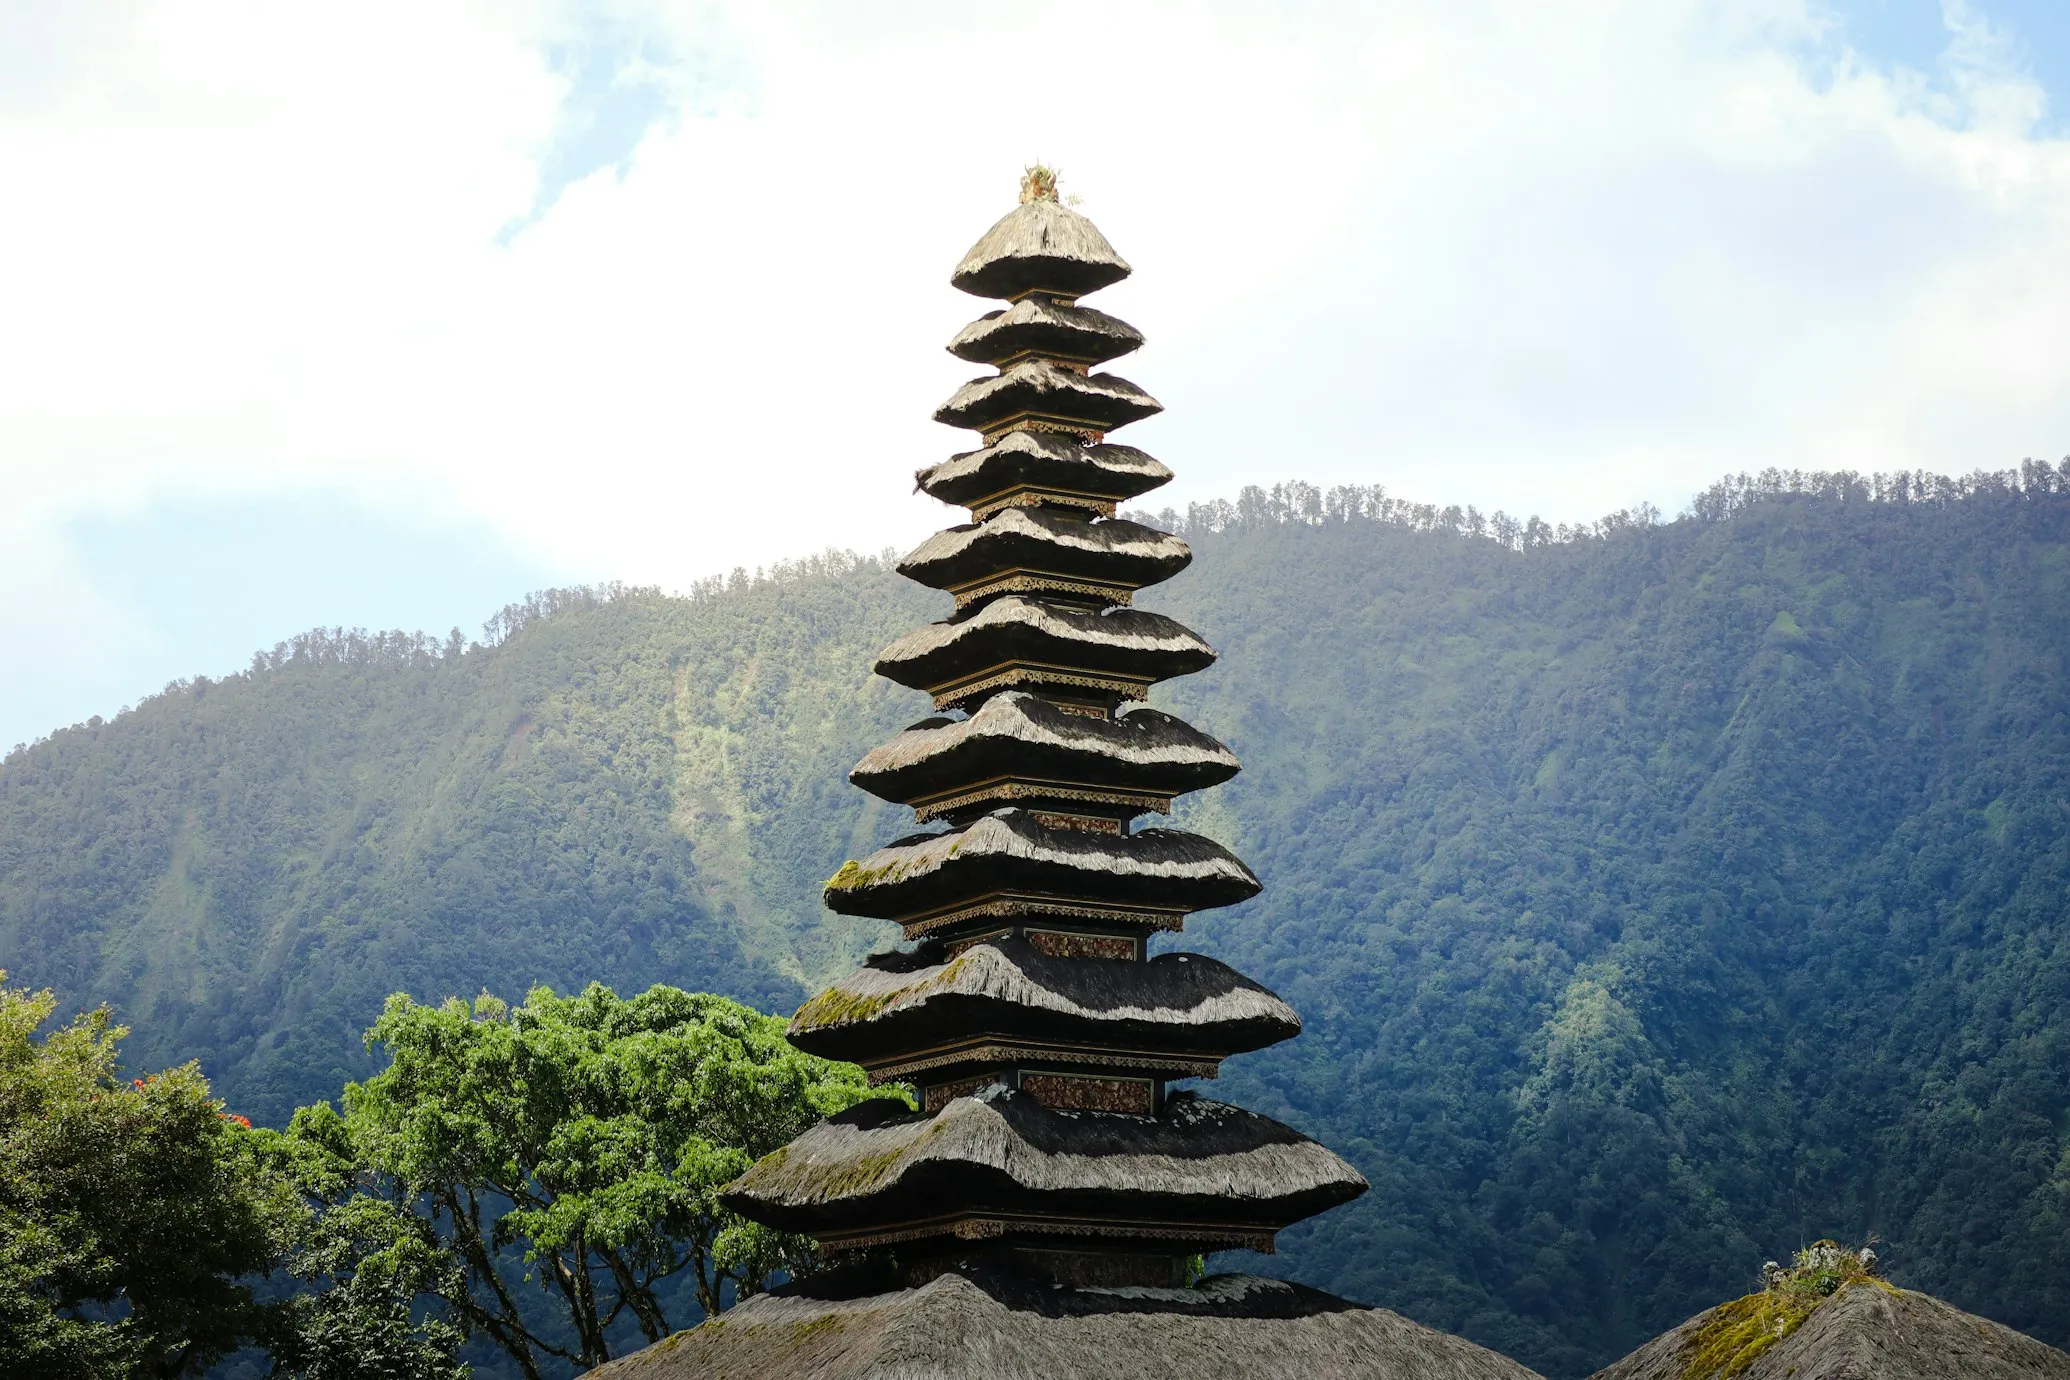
[
  {"x": 1027, "y": 468},
  {"x": 1088, "y": 656},
  {"x": 1040, "y": 326},
  {"x": 1062, "y": 554},
  {"x": 953, "y": 1017},
  {"x": 1000, "y": 1164},
  {"x": 1033, "y": 1025},
  {"x": 1018, "y": 748},
  {"x": 1015, "y": 862},
  {"x": 1043, "y": 395}
]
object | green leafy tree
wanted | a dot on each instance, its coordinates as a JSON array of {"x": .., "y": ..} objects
[
  {"x": 570, "y": 1150},
  {"x": 363, "y": 1265},
  {"x": 131, "y": 1211}
]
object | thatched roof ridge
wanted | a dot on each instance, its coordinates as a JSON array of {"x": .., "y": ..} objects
[
  {"x": 1011, "y": 850},
  {"x": 960, "y": 1325},
  {"x": 1866, "y": 1329},
  {"x": 1010, "y": 988},
  {"x": 1004, "y": 1148},
  {"x": 1038, "y": 388},
  {"x": 1038, "y": 325},
  {"x": 1114, "y": 551},
  {"x": 1039, "y": 244},
  {"x": 1120, "y": 641},
  {"x": 1042, "y": 459},
  {"x": 1015, "y": 731}
]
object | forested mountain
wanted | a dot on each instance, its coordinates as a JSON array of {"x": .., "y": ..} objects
[{"x": 1659, "y": 897}]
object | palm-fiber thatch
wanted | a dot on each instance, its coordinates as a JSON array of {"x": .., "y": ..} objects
[
  {"x": 1042, "y": 460},
  {"x": 1117, "y": 551},
  {"x": 1015, "y": 733},
  {"x": 963, "y": 1326},
  {"x": 1197, "y": 1160},
  {"x": 1009, "y": 989},
  {"x": 1011, "y": 850},
  {"x": 1867, "y": 1331},
  {"x": 1038, "y": 326},
  {"x": 1040, "y": 244}
]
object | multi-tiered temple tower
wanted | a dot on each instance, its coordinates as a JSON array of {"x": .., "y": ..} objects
[{"x": 1040, "y": 1034}]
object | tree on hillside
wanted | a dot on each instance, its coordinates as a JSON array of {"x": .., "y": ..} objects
[{"x": 569, "y": 1153}]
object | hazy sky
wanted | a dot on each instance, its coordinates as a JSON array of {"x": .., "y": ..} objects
[{"x": 385, "y": 314}]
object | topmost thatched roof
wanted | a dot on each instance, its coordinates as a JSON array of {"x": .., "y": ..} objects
[{"x": 1040, "y": 245}]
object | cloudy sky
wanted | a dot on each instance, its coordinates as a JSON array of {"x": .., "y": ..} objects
[{"x": 383, "y": 315}]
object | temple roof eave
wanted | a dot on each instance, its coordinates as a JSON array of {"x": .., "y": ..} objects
[
  {"x": 1018, "y": 735},
  {"x": 1006, "y": 989},
  {"x": 1132, "y": 643},
  {"x": 1011, "y": 850},
  {"x": 1116, "y": 551},
  {"x": 1199, "y": 1159}
]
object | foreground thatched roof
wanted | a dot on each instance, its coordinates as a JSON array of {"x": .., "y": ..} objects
[
  {"x": 1018, "y": 734},
  {"x": 1010, "y": 850},
  {"x": 1867, "y": 1331},
  {"x": 1050, "y": 392},
  {"x": 1039, "y": 244},
  {"x": 1042, "y": 460},
  {"x": 961, "y": 1327},
  {"x": 1115, "y": 552},
  {"x": 999, "y": 1153},
  {"x": 1121, "y": 642},
  {"x": 1037, "y": 326},
  {"x": 1009, "y": 990}
]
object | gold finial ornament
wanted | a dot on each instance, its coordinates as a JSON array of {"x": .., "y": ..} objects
[{"x": 1038, "y": 183}]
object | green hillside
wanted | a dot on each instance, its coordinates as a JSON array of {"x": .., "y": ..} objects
[{"x": 1659, "y": 897}]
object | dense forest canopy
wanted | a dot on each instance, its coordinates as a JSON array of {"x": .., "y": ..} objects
[{"x": 1660, "y": 896}]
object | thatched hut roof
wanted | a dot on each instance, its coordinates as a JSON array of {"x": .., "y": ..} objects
[
  {"x": 1036, "y": 389},
  {"x": 1196, "y": 1162},
  {"x": 1865, "y": 1331},
  {"x": 1045, "y": 461},
  {"x": 1018, "y": 735},
  {"x": 1037, "y": 325},
  {"x": 979, "y": 1323},
  {"x": 1039, "y": 245},
  {"x": 1007, "y": 989},
  {"x": 1010, "y": 850},
  {"x": 1127, "y": 644},
  {"x": 1114, "y": 552}
]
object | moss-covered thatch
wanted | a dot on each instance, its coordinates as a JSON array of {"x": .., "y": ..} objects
[{"x": 1864, "y": 1330}]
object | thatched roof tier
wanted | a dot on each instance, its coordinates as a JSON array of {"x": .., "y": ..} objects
[
  {"x": 1865, "y": 1329},
  {"x": 1039, "y": 246},
  {"x": 1020, "y": 738},
  {"x": 998, "y": 1162},
  {"x": 1045, "y": 396},
  {"x": 1042, "y": 466},
  {"x": 1006, "y": 991},
  {"x": 1106, "y": 559},
  {"x": 1039, "y": 326},
  {"x": 1011, "y": 850},
  {"x": 975, "y": 1321},
  {"x": 1121, "y": 650}
]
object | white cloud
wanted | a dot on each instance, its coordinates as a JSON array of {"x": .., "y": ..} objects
[{"x": 1545, "y": 257}]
